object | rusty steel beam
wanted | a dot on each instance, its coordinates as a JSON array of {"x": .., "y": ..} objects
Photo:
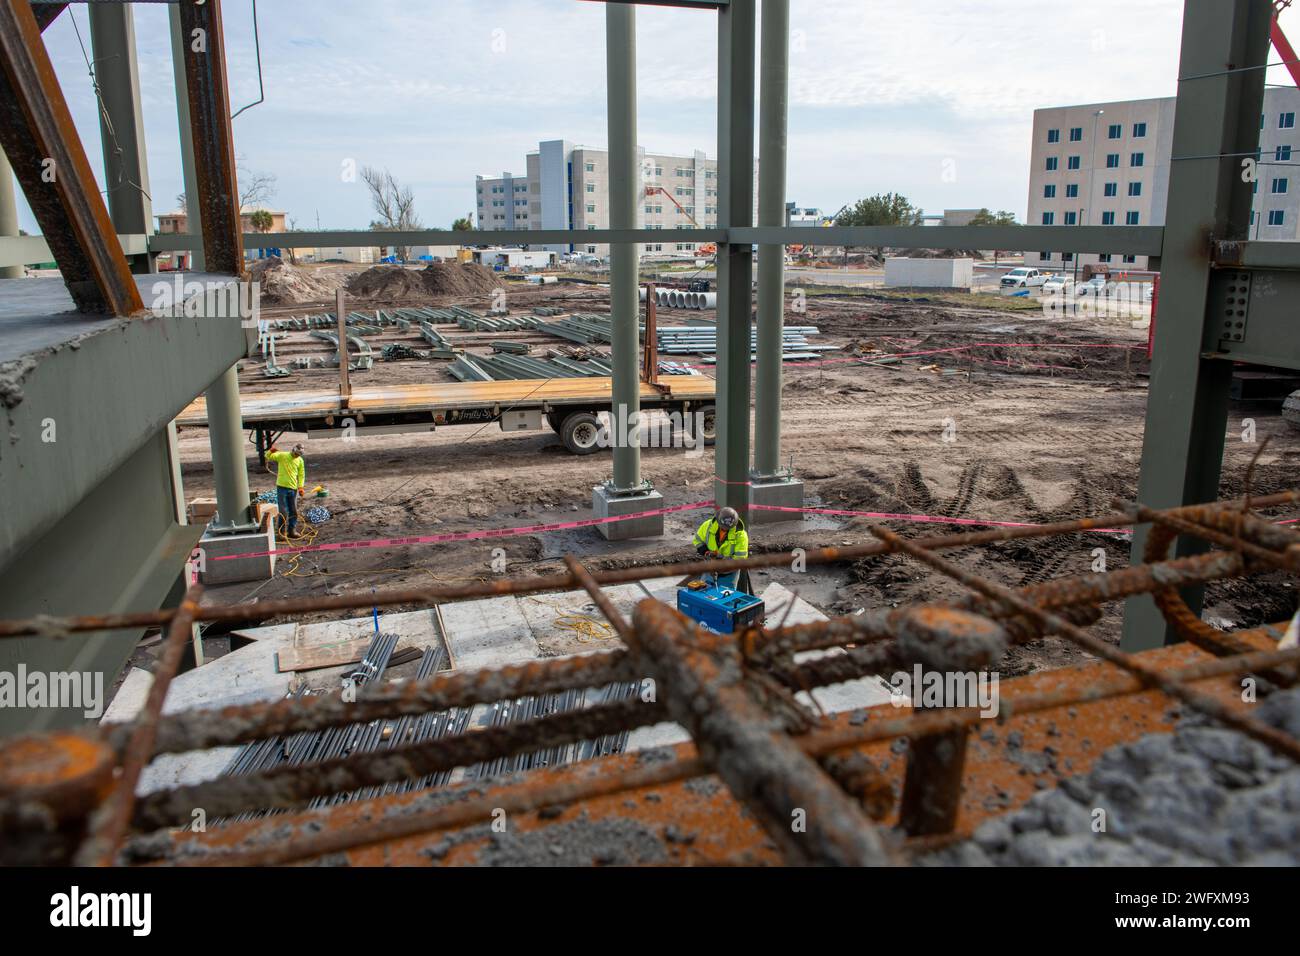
[
  {"x": 214, "y": 150},
  {"x": 40, "y": 139},
  {"x": 60, "y": 627},
  {"x": 809, "y": 816},
  {"x": 47, "y": 13}
]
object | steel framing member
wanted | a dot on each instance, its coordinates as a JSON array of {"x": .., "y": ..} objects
[{"x": 753, "y": 734}]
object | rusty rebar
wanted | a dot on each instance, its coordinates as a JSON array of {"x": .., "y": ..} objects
[
  {"x": 465, "y": 804},
  {"x": 1275, "y": 739},
  {"x": 109, "y": 823},
  {"x": 65, "y": 626},
  {"x": 589, "y": 584},
  {"x": 290, "y": 786},
  {"x": 709, "y": 692}
]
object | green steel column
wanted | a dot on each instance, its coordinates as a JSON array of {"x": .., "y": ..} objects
[
  {"x": 620, "y": 57},
  {"x": 8, "y": 212},
  {"x": 121, "y": 124},
  {"x": 226, "y": 438},
  {"x": 735, "y": 269},
  {"x": 774, "y": 69},
  {"x": 1216, "y": 121},
  {"x": 192, "y": 211}
]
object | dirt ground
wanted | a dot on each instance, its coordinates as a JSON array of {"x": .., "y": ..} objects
[{"x": 969, "y": 423}]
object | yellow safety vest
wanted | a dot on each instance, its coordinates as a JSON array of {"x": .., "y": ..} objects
[
  {"x": 290, "y": 472},
  {"x": 735, "y": 545}
]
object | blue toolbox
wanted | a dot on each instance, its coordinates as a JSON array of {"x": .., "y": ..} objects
[{"x": 722, "y": 610}]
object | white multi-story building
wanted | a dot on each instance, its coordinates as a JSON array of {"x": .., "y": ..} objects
[
  {"x": 567, "y": 187},
  {"x": 1107, "y": 164}
]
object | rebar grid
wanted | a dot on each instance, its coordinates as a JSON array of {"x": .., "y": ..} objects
[{"x": 734, "y": 694}]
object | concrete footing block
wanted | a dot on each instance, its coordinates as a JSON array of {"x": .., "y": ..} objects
[
  {"x": 257, "y": 567},
  {"x": 782, "y": 494},
  {"x": 607, "y": 504}
]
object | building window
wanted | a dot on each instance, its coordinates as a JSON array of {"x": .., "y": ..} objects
[
  {"x": 1044, "y": 257},
  {"x": 1052, "y": 163},
  {"x": 1252, "y": 217},
  {"x": 1286, "y": 121},
  {"x": 1139, "y": 130},
  {"x": 1072, "y": 162},
  {"x": 1279, "y": 185},
  {"x": 1131, "y": 218},
  {"x": 589, "y": 167},
  {"x": 589, "y": 249},
  {"x": 1049, "y": 192},
  {"x": 1076, "y": 134},
  {"x": 1071, "y": 218},
  {"x": 1112, "y": 160},
  {"x": 591, "y": 187},
  {"x": 1067, "y": 256},
  {"x": 1130, "y": 259},
  {"x": 1104, "y": 257},
  {"x": 1135, "y": 189},
  {"x": 1048, "y": 217},
  {"x": 591, "y": 207},
  {"x": 1108, "y": 219},
  {"x": 1072, "y": 191},
  {"x": 1276, "y": 217},
  {"x": 1053, "y": 135},
  {"x": 1282, "y": 153},
  {"x": 1135, "y": 159},
  {"x": 1110, "y": 189},
  {"x": 1115, "y": 131}
]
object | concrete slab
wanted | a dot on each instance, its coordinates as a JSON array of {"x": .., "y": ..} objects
[
  {"x": 781, "y": 494},
  {"x": 489, "y": 633},
  {"x": 246, "y": 675},
  {"x": 604, "y": 504}
]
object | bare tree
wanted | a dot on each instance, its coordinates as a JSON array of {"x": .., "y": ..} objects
[
  {"x": 255, "y": 188},
  {"x": 393, "y": 203}
]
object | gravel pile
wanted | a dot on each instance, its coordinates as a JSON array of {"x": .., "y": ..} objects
[{"x": 1202, "y": 795}]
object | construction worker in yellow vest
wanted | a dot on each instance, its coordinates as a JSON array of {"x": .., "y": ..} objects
[
  {"x": 290, "y": 482},
  {"x": 723, "y": 536}
]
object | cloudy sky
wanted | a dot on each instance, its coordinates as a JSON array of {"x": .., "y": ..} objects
[{"x": 885, "y": 94}]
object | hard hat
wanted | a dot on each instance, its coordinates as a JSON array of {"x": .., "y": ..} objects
[{"x": 727, "y": 517}]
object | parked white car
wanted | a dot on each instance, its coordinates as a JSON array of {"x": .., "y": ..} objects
[
  {"x": 1023, "y": 278},
  {"x": 1056, "y": 284},
  {"x": 1095, "y": 286}
]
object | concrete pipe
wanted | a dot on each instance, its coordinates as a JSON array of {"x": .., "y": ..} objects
[
  {"x": 662, "y": 298},
  {"x": 677, "y": 301},
  {"x": 708, "y": 300},
  {"x": 641, "y": 293}
]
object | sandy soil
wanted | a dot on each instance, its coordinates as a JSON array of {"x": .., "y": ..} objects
[{"x": 1037, "y": 434}]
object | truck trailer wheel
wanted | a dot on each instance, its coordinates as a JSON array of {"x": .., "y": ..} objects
[
  {"x": 707, "y": 416},
  {"x": 1291, "y": 410},
  {"x": 580, "y": 433}
]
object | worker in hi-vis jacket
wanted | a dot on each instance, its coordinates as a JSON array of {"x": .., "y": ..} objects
[{"x": 290, "y": 482}]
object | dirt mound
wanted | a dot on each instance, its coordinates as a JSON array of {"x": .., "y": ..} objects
[
  {"x": 394, "y": 282},
  {"x": 282, "y": 284},
  {"x": 942, "y": 254}
]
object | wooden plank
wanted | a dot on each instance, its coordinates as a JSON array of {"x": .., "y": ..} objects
[{"x": 321, "y": 655}]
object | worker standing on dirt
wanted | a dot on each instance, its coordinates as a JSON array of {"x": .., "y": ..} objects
[
  {"x": 723, "y": 536},
  {"x": 290, "y": 482}
]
